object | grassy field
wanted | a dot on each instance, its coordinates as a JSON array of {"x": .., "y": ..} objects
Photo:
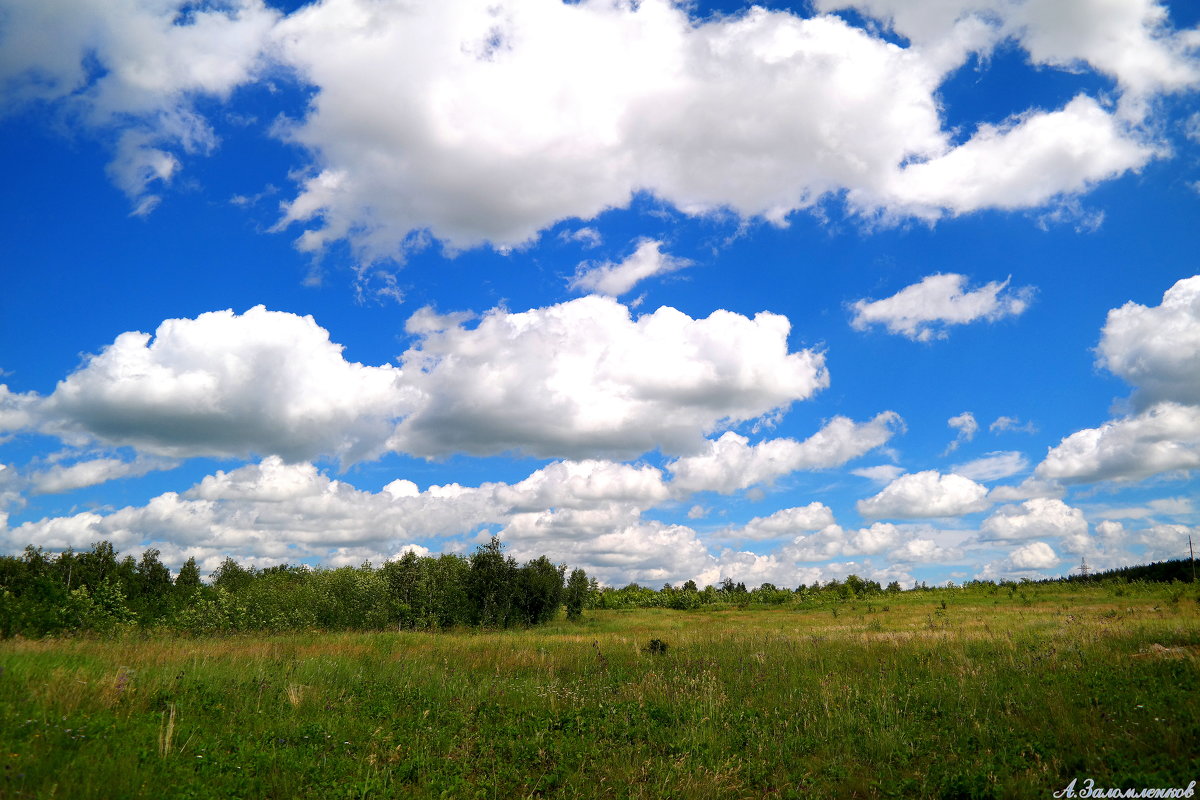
[{"x": 947, "y": 693}]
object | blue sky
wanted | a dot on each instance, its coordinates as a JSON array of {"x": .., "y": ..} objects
[{"x": 663, "y": 291}]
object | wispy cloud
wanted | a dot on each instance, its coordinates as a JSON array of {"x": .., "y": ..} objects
[
  {"x": 926, "y": 310},
  {"x": 646, "y": 261}
]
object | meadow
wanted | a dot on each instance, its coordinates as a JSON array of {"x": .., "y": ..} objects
[{"x": 948, "y": 693}]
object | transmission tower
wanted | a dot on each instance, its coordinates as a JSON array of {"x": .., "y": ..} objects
[{"x": 1084, "y": 569}]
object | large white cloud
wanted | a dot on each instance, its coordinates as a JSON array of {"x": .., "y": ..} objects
[
  {"x": 1029, "y": 161},
  {"x": 1163, "y": 438},
  {"x": 732, "y": 463},
  {"x": 575, "y": 483},
  {"x": 1037, "y": 518},
  {"x": 226, "y": 384},
  {"x": 926, "y": 309},
  {"x": 130, "y": 56},
  {"x": 584, "y": 378},
  {"x": 501, "y": 118},
  {"x": 786, "y": 522},
  {"x": 484, "y": 121},
  {"x": 926, "y": 494},
  {"x": 834, "y": 542},
  {"x": 579, "y": 379},
  {"x": 1157, "y": 349}
]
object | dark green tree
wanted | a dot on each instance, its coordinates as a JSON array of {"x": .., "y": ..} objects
[
  {"x": 448, "y": 603},
  {"x": 576, "y": 593},
  {"x": 232, "y": 576},
  {"x": 152, "y": 587},
  {"x": 407, "y": 590},
  {"x": 187, "y": 582},
  {"x": 94, "y": 566},
  {"x": 492, "y": 585},
  {"x": 539, "y": 591}
]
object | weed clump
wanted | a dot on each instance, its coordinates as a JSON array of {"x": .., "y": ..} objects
[{"x": 656, "y": 647}]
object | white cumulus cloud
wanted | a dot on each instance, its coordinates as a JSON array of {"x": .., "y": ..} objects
[
  {"x": 579, "y": 379},
  {"x": 1163, "y": 438},
  {"x": 835, "y": 542},
  {"x": 501, "y": 118},
  {"x": 1157, "y": 349},
  {"x": 485, "y": 121},
  {"x": 226, "y": 384},
  {"x": 926, "y": 494},
  {"x": 1035, "y": 555},
  {"x": 1030, "y": 161},
  {"x": 732, "y": 463},
  {"x": 17, "y": 411},
  {"x": 587, "y": 513},
  {"x": 786, "y": 522},
  {"x": 584, "y": 378},
  {"x": 1036, "y": 518}
]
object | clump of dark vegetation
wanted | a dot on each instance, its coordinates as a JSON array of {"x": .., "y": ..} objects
[
  {"x": 657, "y": 647},
  {"x": 1159, "y": 572},
  {"x": 46, "y": 594}
]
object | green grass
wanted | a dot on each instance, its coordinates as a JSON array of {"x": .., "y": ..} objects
[{"x": 994, "y": 695}]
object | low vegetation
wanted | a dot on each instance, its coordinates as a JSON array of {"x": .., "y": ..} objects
[{"x": 966, "y": 692}]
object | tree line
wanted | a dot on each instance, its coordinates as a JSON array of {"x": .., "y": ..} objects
[
  {"x": 46, "y": 594},
  {"x": 689, "y": 596}
]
